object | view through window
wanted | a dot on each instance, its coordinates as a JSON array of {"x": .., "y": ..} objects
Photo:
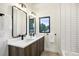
[{"x": 44, "y": 24}]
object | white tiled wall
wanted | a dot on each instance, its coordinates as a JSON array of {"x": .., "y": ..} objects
[{"x": 69, "y": 28}]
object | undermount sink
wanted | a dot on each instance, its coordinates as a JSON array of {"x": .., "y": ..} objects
[{"x": 27, "y": 39}]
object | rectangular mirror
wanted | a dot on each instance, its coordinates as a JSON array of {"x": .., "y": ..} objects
[
  {"x": 32, "y": 25},
  {"x": 19, "y": 23}
]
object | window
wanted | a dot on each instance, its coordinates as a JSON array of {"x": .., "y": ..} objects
[{"x": 44, "y": 24}]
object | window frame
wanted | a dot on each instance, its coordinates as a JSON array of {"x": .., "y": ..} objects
[{"x": 40, "y": 23}]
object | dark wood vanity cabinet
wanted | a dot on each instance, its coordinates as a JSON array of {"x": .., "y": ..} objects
[{"x": 34, "y": 49}]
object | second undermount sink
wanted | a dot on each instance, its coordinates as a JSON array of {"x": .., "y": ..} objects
[{"x": 27, "y": 39}]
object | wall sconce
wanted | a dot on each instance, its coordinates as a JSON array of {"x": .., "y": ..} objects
[
  {"x": 22, "y": 5},
  {"x": 33, "y": 13}
]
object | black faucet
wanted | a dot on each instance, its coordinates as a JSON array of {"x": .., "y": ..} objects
[{"x": 22, "y": 37}]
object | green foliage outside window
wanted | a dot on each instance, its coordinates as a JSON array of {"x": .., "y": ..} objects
[{"x": 44, "y": 25}]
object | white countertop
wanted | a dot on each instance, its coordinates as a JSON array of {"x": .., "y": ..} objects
[{"x": 23, "y": 43}]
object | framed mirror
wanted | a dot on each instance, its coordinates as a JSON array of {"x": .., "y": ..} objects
[
  {"x": 32, "y": 25},
  {"x": 19, "y": 22}
]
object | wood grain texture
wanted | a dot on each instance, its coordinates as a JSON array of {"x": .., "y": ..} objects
[{"x": 34, "y": 49}]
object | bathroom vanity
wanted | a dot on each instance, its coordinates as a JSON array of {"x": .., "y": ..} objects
[{"x": 29, "y": 47}]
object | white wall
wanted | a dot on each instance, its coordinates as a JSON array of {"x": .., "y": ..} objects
[
  {"x": 52, "y": 10},
  {"x": 64, "y": 22},
  {"x": 63, "y": 18},
  {"x": 68, "y": 28},
  {"x": 5, "y": 33},
  {"x": 65, "y": 27},
  {"x": 6, "y": 30}
]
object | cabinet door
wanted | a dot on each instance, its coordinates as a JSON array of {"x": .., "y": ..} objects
[
  {"x": 37, "y": 48},
  {"x": 15, "y": 51},
  {"x": 28, "y": 51},
  {"x": 34, "y": 50},
  {"x": 41, "y": 45},
  {"x": 31, "y": 50},
  {"x": 12, "y": 51}
]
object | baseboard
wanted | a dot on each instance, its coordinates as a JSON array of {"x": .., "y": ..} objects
[
  {"x": 53, "y": 52},
  {"x": 62, "y": 53}
]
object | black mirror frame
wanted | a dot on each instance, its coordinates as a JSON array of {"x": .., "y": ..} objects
[
  {"x": 35, "y": 25},
  {"x": 13, "y": 23}
]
